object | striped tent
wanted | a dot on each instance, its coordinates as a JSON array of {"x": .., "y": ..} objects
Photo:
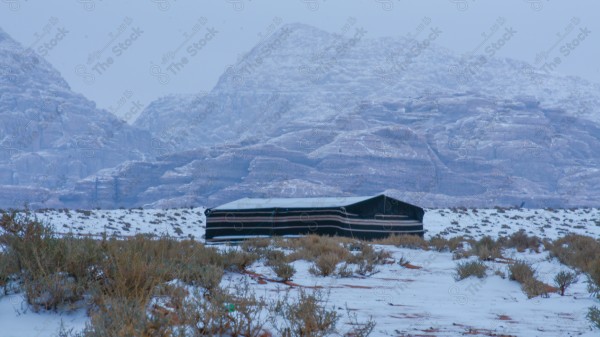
[{"x": 370, "y": 217}]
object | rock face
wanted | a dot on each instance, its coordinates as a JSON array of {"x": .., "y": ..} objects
[
  {"x": 440, "y": 150},
  {"x": 51, "y": 137},
  {"x": 308, "y": 113}
]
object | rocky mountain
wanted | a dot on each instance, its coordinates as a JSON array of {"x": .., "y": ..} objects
[
  {"x": 51, "y": 137},
  {"x": 301, "y": 73},
  {"x": 309, "y": 113}
]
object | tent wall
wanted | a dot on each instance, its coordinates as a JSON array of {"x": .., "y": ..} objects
[{"x": 373, "y": 218}]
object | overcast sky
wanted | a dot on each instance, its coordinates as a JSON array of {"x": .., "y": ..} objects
[{"x": 108, "y": 49}]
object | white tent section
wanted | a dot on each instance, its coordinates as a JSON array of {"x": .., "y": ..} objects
[{"x": 253, "y": 203}]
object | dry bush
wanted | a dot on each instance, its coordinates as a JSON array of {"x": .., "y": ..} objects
[
  {"x": 581, "y": 252},
  {"x": 284, "y": 271},
  {"x": 359, "y": 329},
  {"x": 306, "y": 317},
  {"x": 521, "y": 241},
  {"x": 237, "y": 260},
  {"x": 325, "y": 265},
  {"x": 520, "y": 271},
  {"x": 223, "y": 313},
  {"x": 533, "y": 287},
  {"x": 208, "y": 277},
  {"x": 132, "y": 268},
  {"x": 125, "y": 317},
  {"x": 593, "y": 278},
  {"x": 274, "y": 256},
  {"x": 486, "y": 249},
  {"x": 404, "y": 241},
  {"x": 8, "y": 270},
  {"x": 312, "y": 247},
  {"x": 470, "y": 268},
  {"x": 563, "y": 280},
  {"x": 441, "y": 244},
  {"x": 594, "y": 316},
  {"x": 256, "y": 245},
  {"x": 576, "y": 250},
  {"x": 53, "y": 292},
  {"x": 523, "y": 273},
  {"x": 345, "y": 271}
]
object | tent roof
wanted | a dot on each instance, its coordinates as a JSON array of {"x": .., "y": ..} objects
[{"x": 251, "y": 203}]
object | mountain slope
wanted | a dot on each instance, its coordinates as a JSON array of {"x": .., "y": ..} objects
[
  {"x": 311, "y": 113},
  {"x": 51, "y": 137}
]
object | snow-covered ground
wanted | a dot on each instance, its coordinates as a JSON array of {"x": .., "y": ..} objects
[{"x": 404, "y": 302}]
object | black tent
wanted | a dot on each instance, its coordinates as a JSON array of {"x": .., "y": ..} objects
[{"x": 359, "y": 217}]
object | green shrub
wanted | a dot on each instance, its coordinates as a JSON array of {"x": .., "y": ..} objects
[
  {"x": 563, "y": 280},
  {"x": 470, "y": 268}
]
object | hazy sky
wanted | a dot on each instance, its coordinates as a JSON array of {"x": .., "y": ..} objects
[{"x": 110, "y": 49}]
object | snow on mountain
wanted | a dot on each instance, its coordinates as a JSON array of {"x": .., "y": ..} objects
[
  {"x": 306, "y": 112},
  {"x": 51, "y": 137}
]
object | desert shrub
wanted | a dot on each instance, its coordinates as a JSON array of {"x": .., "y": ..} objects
[
  {"x": 439, "y": 243},
  {"x": 403, "y": 261},
  {"x": 246, "y": 315},
  {"x": 132, "y": 268},
  {"x": 367, "y": 252},
  {"x": 209, "y": 276},
  {"x": 593, "y": 278},
  {"x": 521, "y": 241},
  {"x": 8, "y": 269},
  {"x": 125, "y": 317},
  {"x": 524, "y": 273},
  {"x": 460, "y": 254},
  {"x": 305, "y": 317},
  {"x": 486, "y": 249},
  {"x": 365, "y": 267},
  {"x": 52, "y": 292},
  {"x": 594, "y": 316},
  {"x": 274, "y": 257},
  {"x": 521, "y": 271},
  {"x": 255, "y": 245},
  {"x": 563, "y": 280},
  {"x": 359, "y": 329},
  {"x": 578, "y": 251},
  {"x": 404, "y": 241},
  {"x": 284, "y": 271},
  {"x": 345, "y": 271},
  {"x": 469, "y": 268},
  {"x": 533, "y": 287},
  {"x": 237, "y": 260},
  {"x": 313, "y": 247},
  {"x": 235, "y": 313},
  {"x": 325, "y": 264}
]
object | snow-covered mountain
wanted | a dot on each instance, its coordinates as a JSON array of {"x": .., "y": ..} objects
[
  {"x": 307, "y": 112},
  {"x": 303, "y": 74},
  {"x": 50, "y": 136}
]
